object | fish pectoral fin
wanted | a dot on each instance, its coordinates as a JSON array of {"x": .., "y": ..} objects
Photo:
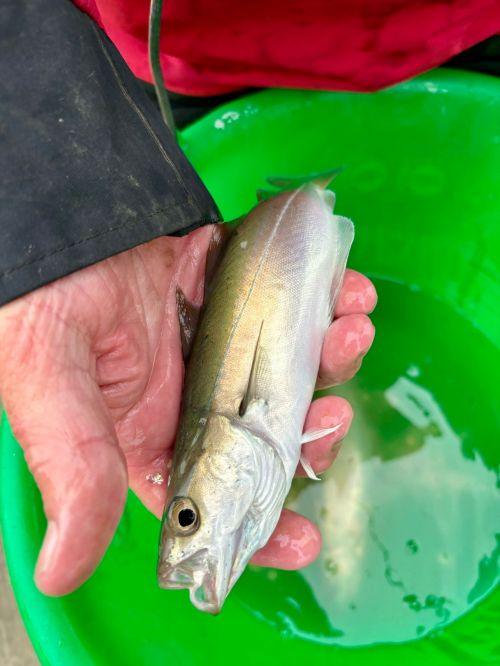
[
  {"x": 257, "y": 371},
  {"x": 308, "y": 469},
  {"x": 318, "y": 433},
  {"x": 312, "y": 436},
  {"x": 188, "y": 314}
]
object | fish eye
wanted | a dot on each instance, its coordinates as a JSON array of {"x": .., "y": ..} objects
[{"x": 183, "y": 516}]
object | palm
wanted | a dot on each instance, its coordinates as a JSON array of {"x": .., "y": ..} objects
[
  {"x": 91, "y": 374},
  {"x": 139, "y": 365}
]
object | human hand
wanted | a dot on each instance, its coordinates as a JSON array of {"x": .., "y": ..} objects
[{"x": 91, "y": 375}]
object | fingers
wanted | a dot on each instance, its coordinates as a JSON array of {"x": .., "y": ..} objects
[
  {"x": 326, "y": 412},
  {"x": 346, "y": 342},
  {"x": 294, "y": 544},
  {"x": 296, "y": 541},
  {"x": 357, "y": 296},
  {"x": 351, "y": 335},
  {"x": 72, "y": 451},
  {"x": 57, "y": 414}
]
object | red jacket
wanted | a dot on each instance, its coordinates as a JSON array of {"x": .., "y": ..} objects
[{"x": 215, "y": 46}]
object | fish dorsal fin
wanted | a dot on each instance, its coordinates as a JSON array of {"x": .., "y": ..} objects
[
  {"x": 257, "y": 371},
  {"x": 288, "y": 183},
  {"x": 324, "y": 179},
  {"x": 262, "y": 195},
  {"x": 321, "y": 179},
  {"x": 188, "y": 314},
  {"x": 218, "y": 243}
]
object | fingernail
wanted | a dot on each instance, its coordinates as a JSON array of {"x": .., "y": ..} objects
[{"x": 49, "y": 547}]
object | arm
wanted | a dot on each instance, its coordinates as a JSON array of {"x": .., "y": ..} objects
[{"x": 88, "y": 169}]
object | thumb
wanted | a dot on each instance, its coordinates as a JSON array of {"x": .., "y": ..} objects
[{"x": 59, "y": 417}]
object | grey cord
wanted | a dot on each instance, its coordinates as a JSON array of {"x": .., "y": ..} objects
[{"x": 154, "y": 63}]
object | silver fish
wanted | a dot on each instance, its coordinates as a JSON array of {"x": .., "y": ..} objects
[{"x": 248, "y": 387}]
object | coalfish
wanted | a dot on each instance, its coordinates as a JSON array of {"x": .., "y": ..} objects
[{"x": 249, "y": 383}]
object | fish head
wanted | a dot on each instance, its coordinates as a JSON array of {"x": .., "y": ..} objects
[{"x": 211, "y": 526}]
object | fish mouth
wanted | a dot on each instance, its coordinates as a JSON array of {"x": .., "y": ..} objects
[{"x": 207, "y": 580}]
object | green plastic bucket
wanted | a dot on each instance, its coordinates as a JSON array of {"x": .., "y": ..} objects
[{"x": 410, "y": 513}]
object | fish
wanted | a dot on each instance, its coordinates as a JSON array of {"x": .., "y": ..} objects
[{"x": 250, "y": 377}]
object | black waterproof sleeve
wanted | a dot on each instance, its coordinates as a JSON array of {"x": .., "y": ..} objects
[{"x": 87, "y": 167}]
